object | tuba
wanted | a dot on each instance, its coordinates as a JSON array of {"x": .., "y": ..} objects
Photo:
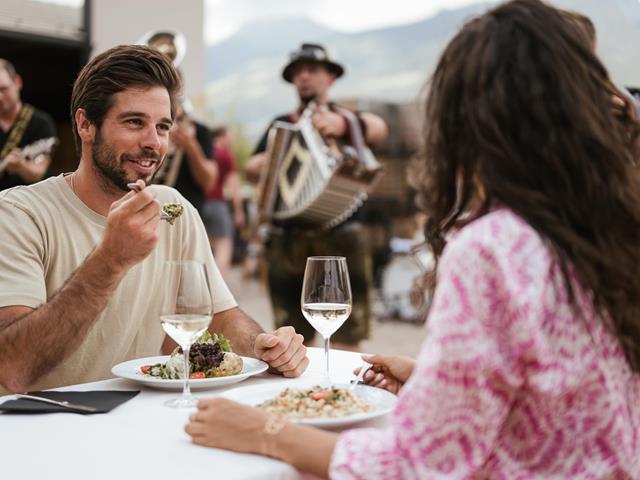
[
  {"x": 169, "y": 42},
  {"x": 173, "y": 44}
]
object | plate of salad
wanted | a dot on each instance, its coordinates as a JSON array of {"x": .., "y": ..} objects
[{"x": 212, "y": 364}]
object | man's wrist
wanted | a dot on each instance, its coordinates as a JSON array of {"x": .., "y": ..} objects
[
  {"x": 346, "y": 131},
  {"x": 193, "y": 148},
  {"x": 103, "y": 262},
  {"x": 252, "y": 343}
]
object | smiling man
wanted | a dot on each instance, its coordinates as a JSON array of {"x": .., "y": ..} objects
[{"x": 85, "y": 257}]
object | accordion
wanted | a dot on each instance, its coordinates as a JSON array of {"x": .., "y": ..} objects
[{"x": 314, "y": 181}]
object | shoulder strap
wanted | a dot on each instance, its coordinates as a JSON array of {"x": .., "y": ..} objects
[
  {"x": 357, "y": 136},
  {"x": 18, "y": 129},
  {"x": 168, "y": 172},
  {"x": 365, "y": 157}
]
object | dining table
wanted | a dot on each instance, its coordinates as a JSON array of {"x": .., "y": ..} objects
[{"x": 143, "y": 438}]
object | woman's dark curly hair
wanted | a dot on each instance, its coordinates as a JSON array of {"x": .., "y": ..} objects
[{"x": 519, "y": 114}]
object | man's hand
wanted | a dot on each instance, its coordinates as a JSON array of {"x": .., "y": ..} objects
[
  {"x": 329, "y": 124},
  {"x": 13, "y": 161},
  {"x": 283, "y": 351},
  {"x": 132, "y": 228},
  {"x": 183, "y": 134},
  {"x": 253, "y": 167}
]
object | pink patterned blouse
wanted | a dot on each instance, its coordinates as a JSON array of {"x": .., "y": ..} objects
[{"x": 510, "y": 383}]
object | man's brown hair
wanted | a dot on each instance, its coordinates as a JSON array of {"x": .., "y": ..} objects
[
  {"x": 8, "y": 67},
  {"x": 116, "y": 70}
]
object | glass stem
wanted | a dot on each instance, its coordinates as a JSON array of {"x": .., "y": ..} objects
[
  {"x": 326, "y": 358},
  {"x": 186, "y": 389}
]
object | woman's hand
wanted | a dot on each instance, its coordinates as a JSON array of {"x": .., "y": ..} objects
[
  {"x": 388, "y": 372},
  {"x": 222, "y": 423}
]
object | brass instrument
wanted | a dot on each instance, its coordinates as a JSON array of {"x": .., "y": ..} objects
[{"x": 170, "y": 42}]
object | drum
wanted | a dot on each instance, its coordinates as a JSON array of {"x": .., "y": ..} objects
[{"x": 402, "y": 297}]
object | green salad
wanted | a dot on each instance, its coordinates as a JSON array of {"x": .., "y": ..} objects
[
  {"x": 209, "y": 357},
  {"x": 174, "y": 210}
]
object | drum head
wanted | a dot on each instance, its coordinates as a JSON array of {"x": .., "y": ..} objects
[{"x": 398, "y": 279}]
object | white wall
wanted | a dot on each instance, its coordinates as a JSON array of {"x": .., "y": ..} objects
[
  {"x": 116, "y": 22},
  {"x": 28, "y": 16}
]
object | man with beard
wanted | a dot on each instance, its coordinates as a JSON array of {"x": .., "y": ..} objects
[
  {"x": 85, "y": 257},
  {"x": 21, "y": 125},
  {"x": 312, "y": 73}
]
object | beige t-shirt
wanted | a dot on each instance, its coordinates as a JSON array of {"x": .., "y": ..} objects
[{"x": 46, "y": 232}]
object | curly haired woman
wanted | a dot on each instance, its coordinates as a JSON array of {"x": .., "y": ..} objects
[{"x": 531, "y": 365}]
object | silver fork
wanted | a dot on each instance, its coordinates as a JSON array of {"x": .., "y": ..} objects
[
  {"x": 64, "y": 403},
  {"x": 135, "y": 186},
  {"x": 164, "y": 215},
  {"x": 358, "y": 378}
]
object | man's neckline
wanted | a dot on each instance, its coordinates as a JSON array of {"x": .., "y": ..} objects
[{"x": 15, "y": 119}]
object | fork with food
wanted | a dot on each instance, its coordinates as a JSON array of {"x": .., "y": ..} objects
[{"x": 170, "y": 211}]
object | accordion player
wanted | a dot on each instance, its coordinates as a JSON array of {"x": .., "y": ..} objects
[{"x": 315, "y": 171}]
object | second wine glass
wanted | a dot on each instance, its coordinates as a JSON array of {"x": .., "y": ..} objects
[{"x": 326, "y": 298}]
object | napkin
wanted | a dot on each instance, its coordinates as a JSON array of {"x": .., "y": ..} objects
[{"x": 103, "y": 400}]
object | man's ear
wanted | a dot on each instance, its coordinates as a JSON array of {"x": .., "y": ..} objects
[
  {"x": 86, "y": 129},
  {"x": 18, "y": 82}
]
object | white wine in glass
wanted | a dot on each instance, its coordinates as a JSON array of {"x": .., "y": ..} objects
[
  {"x": 186, "y": 313},
  {"x": 326, "y": 298}
]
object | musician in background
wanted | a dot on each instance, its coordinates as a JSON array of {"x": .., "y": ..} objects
[
  {"x": 20, "y": 125},
  {"x": 189, "y": 166},
  {"x": 217, "y": 216},
  {"x": 312, "y": 73}
]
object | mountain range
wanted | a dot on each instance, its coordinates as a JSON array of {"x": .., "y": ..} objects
[{"x": 244, "y": 86}]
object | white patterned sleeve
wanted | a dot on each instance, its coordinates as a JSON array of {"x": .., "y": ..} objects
[{"x": 450, "y": 411}]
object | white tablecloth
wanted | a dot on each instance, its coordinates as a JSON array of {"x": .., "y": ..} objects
[{"x": 141, "y": 438}]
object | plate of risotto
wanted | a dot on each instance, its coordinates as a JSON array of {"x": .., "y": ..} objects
[{"x": 334, "y": 406}]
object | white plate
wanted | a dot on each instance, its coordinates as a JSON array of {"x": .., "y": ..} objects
[
  {"x": 382, "y": 400},
  {"x": 131, "y": 370}
]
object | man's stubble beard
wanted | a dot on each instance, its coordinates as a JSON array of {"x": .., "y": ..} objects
[
  {"x": 10, "y": 107},
  {"x": 111, "y": 173},
  {"x": 305, "y": 99}
]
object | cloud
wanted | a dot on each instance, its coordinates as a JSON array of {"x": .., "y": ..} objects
[{"x": 224, "y": 17}]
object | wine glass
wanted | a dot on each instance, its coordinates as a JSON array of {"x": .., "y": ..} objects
[
  {"x": 326, "y": 297},
  {"x": 186, "y": 312}
]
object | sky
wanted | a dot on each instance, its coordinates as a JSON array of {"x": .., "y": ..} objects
[{"x": 225, "y": 17}]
